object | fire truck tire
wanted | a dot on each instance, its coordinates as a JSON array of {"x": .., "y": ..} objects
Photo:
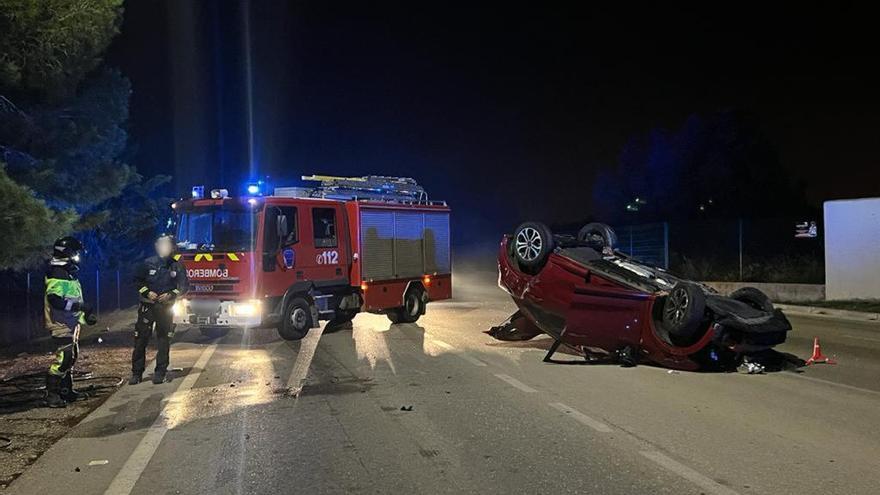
[
  {"x": 296, "y": 321},
  {"x": 413, "y": 307}
]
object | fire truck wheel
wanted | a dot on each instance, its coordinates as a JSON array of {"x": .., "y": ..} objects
[
  {"x": 297, "y": 320},
  {"x": 413, "y": 307}
]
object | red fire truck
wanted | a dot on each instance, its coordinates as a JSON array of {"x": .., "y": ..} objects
[{"x": 374, "y": 244}]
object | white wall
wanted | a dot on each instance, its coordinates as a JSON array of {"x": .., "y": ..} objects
[{"x": 852, "y": 249}]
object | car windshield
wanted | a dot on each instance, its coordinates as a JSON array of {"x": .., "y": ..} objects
[{"x": 216, "y": 229}]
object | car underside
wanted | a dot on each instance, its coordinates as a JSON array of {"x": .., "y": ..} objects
[{"x": 608, "y": 306}]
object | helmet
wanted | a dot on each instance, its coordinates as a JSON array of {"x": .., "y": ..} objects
[{"x": 67, "y": 248}]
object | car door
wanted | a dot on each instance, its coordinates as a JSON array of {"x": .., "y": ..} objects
[{"x": 604, "y": 313}]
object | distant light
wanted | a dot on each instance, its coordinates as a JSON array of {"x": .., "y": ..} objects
[
  {"x": 253, "y": 189},
  {"x": 252, "y": 201},
  {"x": 198, "y": 192}
]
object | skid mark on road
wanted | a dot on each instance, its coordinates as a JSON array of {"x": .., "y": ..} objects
[
  {"x": 131, "y": 471},
  {"x": 513, "y": 382},
  {"x": 581, "y": 417},
  {"x": 704, "y": 482}
]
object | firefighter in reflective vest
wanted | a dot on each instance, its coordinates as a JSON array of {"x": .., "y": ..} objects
[
  {"x": 160, "y": 280},
  {"x": 64, "y": 311}
]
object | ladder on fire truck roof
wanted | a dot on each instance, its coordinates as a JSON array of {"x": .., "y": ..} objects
[{"x": 368, "y": 188}]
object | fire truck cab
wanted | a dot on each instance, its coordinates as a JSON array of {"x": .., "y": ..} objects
[{"x": 363, "y": 244}]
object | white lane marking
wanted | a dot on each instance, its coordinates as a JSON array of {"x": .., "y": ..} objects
[
  {"x": 307, "y": 347},
  {"x": 870, "y": 339},
  {"x": 516, "y": 383},
  {"x": 131, "y": 471},
  {"x": 449, "y": 347},
  {"x": 474, "y": 361},
  {"x": 706, "y": 483},
  {"x": 442, "y": 344},
  {"x": 833, "y": 384},
  {"x": 581, "y": 417}
]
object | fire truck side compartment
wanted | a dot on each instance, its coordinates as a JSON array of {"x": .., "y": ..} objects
[{"x": 399, "y": 245}]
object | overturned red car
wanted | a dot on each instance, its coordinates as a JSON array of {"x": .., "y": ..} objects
[{"x": 607, "y": 306}]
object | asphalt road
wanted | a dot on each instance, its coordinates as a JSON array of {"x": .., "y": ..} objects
[{"x": 331, "y": 414}]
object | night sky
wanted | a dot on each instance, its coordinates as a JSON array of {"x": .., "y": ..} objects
[{"x": 506, "y": 112}]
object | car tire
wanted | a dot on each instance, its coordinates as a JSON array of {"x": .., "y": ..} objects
[
  {"x": 754, "y": 298},
  {"x": 413, "y": 307},
  {"x": 296, "y": 320},
  {"x": 340, "y": 320},
  {"x": 214, "y": 332},
  {"x": 684, "y": 309},
  {"x": 599, "y": 235},
  {"x": 532, "y": 244}
]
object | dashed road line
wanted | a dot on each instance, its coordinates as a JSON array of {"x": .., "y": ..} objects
[
  {"x": 833, "y": 384},
  {"x": 704, "y": 482},
  {"x": 513, "y": 382},
  {"x": 134, "y": 467},
  {"x": 464, "y": 355},
  {"x": 581, "y": 417}
]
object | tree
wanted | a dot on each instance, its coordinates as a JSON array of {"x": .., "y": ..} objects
[
  {"x": 48, "y": 46},
  {"x": 23, "y": 222},
  {"x": 62, "y": 129}
]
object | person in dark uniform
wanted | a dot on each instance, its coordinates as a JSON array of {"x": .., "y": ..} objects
[{"x": 160, "y": 280}]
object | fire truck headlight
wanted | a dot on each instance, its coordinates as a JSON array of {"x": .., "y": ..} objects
[
  {"x": 246, "y": 308},
  {"x": 179, "y": 308}
]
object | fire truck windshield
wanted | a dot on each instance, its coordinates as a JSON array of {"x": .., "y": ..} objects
[{"x": 214, "y": 228}]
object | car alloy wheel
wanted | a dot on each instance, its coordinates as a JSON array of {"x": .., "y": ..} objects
[
  {"x": 528, "y": 244},
  {"x": 677, "y": 306}
]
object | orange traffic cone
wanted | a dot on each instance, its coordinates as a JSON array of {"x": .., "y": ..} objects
[{"x": 817, "y": 356}]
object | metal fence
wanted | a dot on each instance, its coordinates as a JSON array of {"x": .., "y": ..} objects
[
  {"x": 763, "y": 250},
  {"x": 21, "y": 300}
]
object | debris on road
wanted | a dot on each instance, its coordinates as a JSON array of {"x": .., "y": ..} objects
[
  {"x": 672, "y": 372},
  {"x": 99, "y": 462},
  {"x": 749, "y": 367},
  {"x": 406, "y": 408}
]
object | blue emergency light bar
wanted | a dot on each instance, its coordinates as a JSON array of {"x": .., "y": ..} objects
[{"x": 198, "y": 192}]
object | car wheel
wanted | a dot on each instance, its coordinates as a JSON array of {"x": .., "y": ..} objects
[
  {"x": 532, "y": 244},
  {"x": 599, "y": 235},
  {"x": 413, "y": 307},
  {"x": 754, "y": 298},
  {"x": 340, "y": 320},
  {"x": 296, "y": 321},
  {"x": 684, "y": 310}
]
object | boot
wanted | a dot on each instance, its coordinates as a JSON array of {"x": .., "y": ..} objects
[
  {"x": 158, "y": 377},
  {"x": 136, "y": 378},
  {"x": 53, "y": 391},
  {"x": 67, "y": 391}
]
